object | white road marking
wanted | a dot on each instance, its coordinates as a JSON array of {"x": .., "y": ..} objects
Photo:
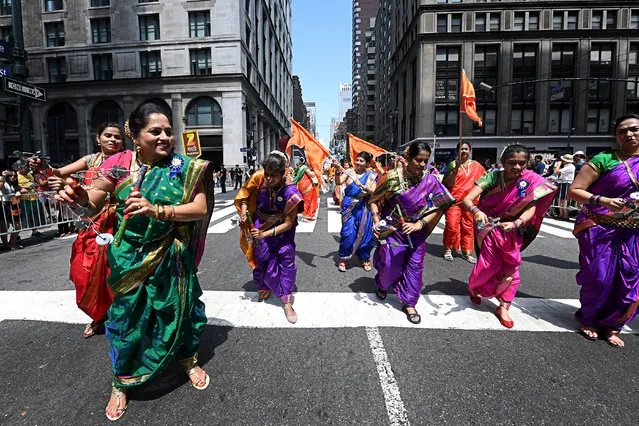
[
  {"x": 334, "y": 217},
  {"x": 219, "y": 214},
  {"x": 394, "y": 406},
  {"x": 324, "y": 310},
  {"x": 559, "y": 223},
  {"x": 306, "y": 227},
  {"x": 556, "y": 231}
]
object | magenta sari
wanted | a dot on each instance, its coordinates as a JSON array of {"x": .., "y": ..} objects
[{"x": 496, "y": 273}]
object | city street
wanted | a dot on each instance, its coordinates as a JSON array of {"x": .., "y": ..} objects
[{"x": 350, "y": 359}]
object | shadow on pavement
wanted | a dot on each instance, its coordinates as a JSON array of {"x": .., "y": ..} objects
[
  {"x": 551, "y": 261},
  {"x": 173, "y": 376}
]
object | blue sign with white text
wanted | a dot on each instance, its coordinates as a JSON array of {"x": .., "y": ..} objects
[
  {"x": 5, "y": 71},
  {"x": 5, "y": 50}
]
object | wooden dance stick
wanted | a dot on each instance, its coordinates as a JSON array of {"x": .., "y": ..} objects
[
  {"x": 402, "y": 221},
  {"x": 127, "y": 216}
]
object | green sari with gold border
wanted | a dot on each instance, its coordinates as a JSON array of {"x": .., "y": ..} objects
[{"x": 156, "y": 313}]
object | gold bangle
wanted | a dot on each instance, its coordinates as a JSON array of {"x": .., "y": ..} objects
[{"x": 157, "y": 212}]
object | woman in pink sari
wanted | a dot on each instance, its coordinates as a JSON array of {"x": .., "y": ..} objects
[{"x": 507, "y": 219}]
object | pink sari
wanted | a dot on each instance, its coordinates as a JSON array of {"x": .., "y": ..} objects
[{"x": 496, "y": 273}]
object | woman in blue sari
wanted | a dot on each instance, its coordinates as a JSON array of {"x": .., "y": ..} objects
[{"x": 356, "y": 236}]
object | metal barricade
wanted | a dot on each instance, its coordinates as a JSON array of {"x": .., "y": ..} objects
[{"x": 33, "y": 211}]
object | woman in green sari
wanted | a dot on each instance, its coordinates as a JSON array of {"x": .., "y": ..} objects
[{"x": 156, "y": 313}]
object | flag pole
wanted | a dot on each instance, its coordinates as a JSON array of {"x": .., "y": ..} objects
[{"x": 461, "y": 100}]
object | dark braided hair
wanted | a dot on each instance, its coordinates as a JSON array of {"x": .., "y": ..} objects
[
  {"x": 276, "y": 161},
  {"x": 139, "y": 118},
  {"x": 513, "y": 149},
  {"x": 416, "y": 147},
  {"x": 367, "y": 156}
]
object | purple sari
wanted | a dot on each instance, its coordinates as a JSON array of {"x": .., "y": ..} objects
[
  {"x": 400, "y": 266},
  {"x": 274, "y": 257},
  {"x": 496, "y": 273},
  {"x": 608, "y": 254}
]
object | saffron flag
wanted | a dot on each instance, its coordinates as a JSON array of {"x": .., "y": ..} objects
[
  {"x": 316, "y": 153},
  {"x": 468, "y": 100},
  {"x": 357, "y": 145}
]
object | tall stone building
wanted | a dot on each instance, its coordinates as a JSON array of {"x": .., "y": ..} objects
[
  {"x": 311, "y": 109},
  {"x": 222, "y": 67},
  {"x": 552, "y": 75},
  {"x": 300, "y": 114},
  {"x": 364, "y": 13},
  {"x": 345, "y": 100}
]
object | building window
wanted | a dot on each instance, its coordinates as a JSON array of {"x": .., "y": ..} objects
[
  {"x": 442, "y": 23},
  {"x": 495, "y": 21},
  {"x": 598, "y": 120},
  {"x": 523, "y": 121},
  {"x": 632, "y": 87},
  {"x": 147, "y": 1},
  {"x": 100, "y": 3},
  {"x": 199, "y": 24},
  {"x": 6, "y": 33},
  {"x": 149, "y": 27},
  {"x": 101, "y": 30},
  {"x": 204, "y": 111},
  {"x": 451, "y": 23},
  {"x": 5, "y": 7},
  {"x": 526, "y": 21},
  {"x": 102, "y": 67},
  {"x": 151, "y": 64},
  {"x": 600, "y": 67},
  {"x": 603, "y": 20},
  {"x": 54, "y": 32},
  {"x": 201, "y": 62},
  {"x": 57, "y": 68},
  {"x": 52, "y": 5},
  {"x": 634, "y": 20},
  {"x": 480, "y": 22},
  {"x": 448, "y": 69},
  {"x": 559, "y": 121},
  {"x": 565, "y": 19},
  {"x": 456, "y": 23}
]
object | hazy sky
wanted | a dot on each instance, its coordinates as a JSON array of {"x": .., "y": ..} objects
[{"x": 322, "y": 55}]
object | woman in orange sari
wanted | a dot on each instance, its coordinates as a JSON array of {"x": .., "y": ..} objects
[
  {"x": 306, "y": 182},
  {"x": 89, "y": 266},
  {"x": 460, "y": 178}
]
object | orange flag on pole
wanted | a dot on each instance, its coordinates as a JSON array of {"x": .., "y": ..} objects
[
  {"x": 357, "y": 145},
  {"x": 468, "y": 100},
  {"x": 316, "y": 153}
]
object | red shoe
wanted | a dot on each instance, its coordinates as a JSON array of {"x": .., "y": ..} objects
[{"x": 505, "y": 323}]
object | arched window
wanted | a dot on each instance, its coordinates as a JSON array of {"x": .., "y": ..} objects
[
  {"x": 62, "y": 133},
  {"x": 203, "y": 111},
  {"x": 106, "y": 112}
]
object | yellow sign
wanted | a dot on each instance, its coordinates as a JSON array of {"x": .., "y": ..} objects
[{"x": 191, "y": 142}]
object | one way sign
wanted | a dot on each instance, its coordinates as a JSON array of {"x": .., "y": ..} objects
[{"x": 24, "y": 89}]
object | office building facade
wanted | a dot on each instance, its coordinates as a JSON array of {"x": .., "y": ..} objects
[
  {"x": 363, "y": 89},
  {"x": 551, "y": 75},
  {"x": 221, "y": 67}
]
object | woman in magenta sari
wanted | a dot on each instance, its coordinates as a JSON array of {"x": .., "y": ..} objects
[
  {"x": 508, "y": 216},
  {"x": 411, "y": 203},
  {"x": 607, "y": 229}
]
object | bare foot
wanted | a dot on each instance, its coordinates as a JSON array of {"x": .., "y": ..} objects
[
  {"x": 291, "y": 316},
  {"x": 117, "y": 404},
  {"x": 612, "y": 337},
  {"x": 198, "y": 377},
  {"x": 588, "y": 332}
]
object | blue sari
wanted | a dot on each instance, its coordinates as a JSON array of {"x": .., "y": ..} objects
[{"x": 356, "y": 236}]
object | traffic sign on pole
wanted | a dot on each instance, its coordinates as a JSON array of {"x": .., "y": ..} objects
[
  {"x": 5, "y": 50},
  {"x": 244, "y": 149},
  {"x": 27, "y": 90}
]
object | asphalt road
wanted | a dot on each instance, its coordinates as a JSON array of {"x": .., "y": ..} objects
[{"x": 317, "y": 375}]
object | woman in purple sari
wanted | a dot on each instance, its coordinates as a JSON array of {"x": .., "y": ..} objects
[
  {"x": 607, "y": 229},
  {"x": 512, "y": 206},
  {"x": 411, "y": 203},
  {"x": 272, "y": 200}
]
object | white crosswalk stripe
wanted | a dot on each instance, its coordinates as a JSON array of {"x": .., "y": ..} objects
[
  {"x": 221, "y": 222},
  {"x": 325, "y": 310}
]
